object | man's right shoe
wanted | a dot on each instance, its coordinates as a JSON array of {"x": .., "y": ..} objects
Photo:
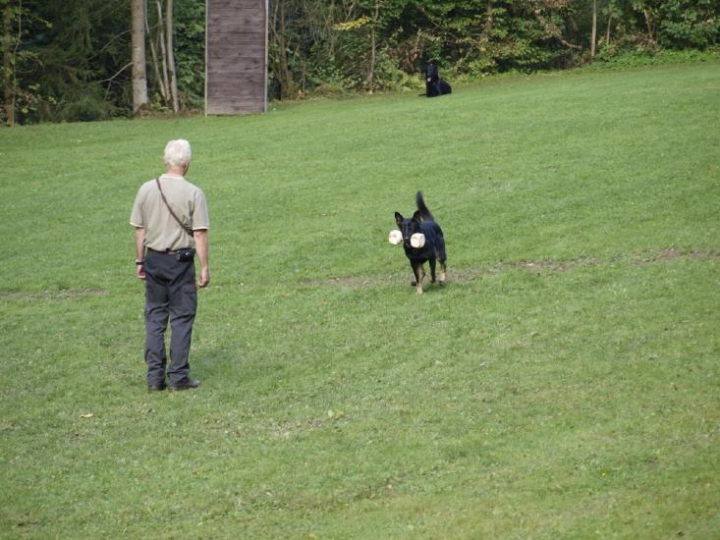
[{"x": 187, "y": 384}]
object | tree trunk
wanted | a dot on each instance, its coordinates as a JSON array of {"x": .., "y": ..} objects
[
  {"x": 8, "y": 75},
  {"x": 370, "y": 79},
  {"x": 10, "y": 46},
  {"x": 278, "y": 37},
  {"x": 487, "y": 29},
  {"x": 593, "y": 38},
  {"x": 171, "y": 56},
  {"x": 139, "y": 75},
  {"x": 154, "y": 58},
  {"x": 165, "y": 82}
]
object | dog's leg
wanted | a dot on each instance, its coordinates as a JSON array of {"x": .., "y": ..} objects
[
  {"x": 443, "y": 269},
  {"x": 442, "y": 257},
  {"x": 419, "y": 272},
  {"x": 432, "y": 270}
]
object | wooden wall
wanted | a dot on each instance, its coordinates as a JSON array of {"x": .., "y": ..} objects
[{"x": 236, "y": 56}]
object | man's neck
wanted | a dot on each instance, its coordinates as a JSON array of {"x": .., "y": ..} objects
[{"x": 175, "y": 171}]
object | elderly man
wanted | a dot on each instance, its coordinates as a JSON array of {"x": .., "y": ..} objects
[{"x": 170, "y": 217}]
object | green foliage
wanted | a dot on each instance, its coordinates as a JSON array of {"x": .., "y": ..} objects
[
  {"x": 564, "y": 384},
  {"x": 63, "y": 50},
  {"x": 617, "y": 58},
  {"x": 189, "y": 24},
  {"x": 73, "y": 56},
  {"x": 69, "y": 60},
  {"x": 84, "y": 105},
  {"x": 26, "y": 97},
  {"x": 391, "y": 78},
  {"x": 690, "y": 23},
  {"x": 671, "y": 24}
]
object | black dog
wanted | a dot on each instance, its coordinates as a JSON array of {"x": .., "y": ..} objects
[
  {"x": 434, "y": 248},
  {"x": 434, "y": 85}
]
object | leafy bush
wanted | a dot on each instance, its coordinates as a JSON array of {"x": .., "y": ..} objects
[
  {"x": 690, "y": 24},
  {"x": 614, "y": 57},
  {"x": 86, "y": 106}
]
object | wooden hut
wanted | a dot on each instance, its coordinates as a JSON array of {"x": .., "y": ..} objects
[{"x": 236, "y": 56}]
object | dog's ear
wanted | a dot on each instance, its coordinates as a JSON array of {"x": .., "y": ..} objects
[
  {"x": 417, "y": 216},
  {"x": 398, "y": 218}
]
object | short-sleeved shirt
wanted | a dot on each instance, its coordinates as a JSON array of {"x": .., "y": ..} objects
[{"x": 162, "y": 231}]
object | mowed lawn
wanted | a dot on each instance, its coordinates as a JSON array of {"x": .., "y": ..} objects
[{"x": 565, "y": 383}]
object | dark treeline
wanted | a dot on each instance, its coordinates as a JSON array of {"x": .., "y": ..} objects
[{"x": 70, "y": 60}]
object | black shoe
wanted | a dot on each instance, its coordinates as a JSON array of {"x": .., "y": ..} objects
[
  {"x": 186, "y": 384},
  {"x": 156, "y": 387}
]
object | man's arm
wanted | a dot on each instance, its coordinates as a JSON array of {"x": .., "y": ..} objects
[
  {"x": 140, "y": 251},
  {"x": 203, "y": 252}
]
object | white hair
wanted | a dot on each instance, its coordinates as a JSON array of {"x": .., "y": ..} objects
[{"x": 177, "y": 153}]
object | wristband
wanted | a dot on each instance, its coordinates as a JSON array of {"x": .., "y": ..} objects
[{"x": 139, "y": 263}]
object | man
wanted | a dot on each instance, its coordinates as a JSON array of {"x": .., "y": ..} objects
[{"x": 170, "y": 217}]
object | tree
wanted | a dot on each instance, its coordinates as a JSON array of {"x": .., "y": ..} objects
[
  {"x": 7, "y": 70},
  {"x": 690, "y": 23},
  {"x": 172, "y": 70},
  {"x": 163, "y": 54},
  {"x": 21, "y": 95},
  {"x": 75, "y": 60},
  {"x": 139, "y": 75},
  {"x": 593, "y": 35}
]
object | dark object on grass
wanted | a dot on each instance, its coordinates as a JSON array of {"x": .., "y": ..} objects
[
  {"x": 434, "y": 85},
  {"x": 431, "y": 250}
]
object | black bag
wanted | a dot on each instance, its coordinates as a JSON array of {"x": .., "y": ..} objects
[{"x": 185, "y": 254}]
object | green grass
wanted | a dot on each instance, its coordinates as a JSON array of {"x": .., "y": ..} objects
[{"x": 564, "y": 384}]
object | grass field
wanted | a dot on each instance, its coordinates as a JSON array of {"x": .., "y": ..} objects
[{"x": 564, "y": 384}]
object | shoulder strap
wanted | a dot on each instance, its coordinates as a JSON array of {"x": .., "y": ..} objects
[{"x": 186, "y": 229}]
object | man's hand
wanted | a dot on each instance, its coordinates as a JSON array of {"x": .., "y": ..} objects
[
  {"x": 204, "y": 280},
  {"x": 202, "y": 248},
  {"x": 140, "y": 252}
]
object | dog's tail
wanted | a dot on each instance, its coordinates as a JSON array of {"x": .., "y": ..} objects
[{"x": 422, "y": 208}]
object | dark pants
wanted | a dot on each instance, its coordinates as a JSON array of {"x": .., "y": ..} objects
[{"x": 170, "y": 294}]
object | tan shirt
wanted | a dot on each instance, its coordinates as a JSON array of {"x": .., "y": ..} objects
[{"x": 150, "y": 213}]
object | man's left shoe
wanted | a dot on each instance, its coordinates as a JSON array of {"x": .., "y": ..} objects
[{"x": 187, "y": 384}]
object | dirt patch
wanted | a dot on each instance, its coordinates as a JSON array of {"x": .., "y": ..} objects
[
  {"x": 645, "y": 257},
  {"x": 55, "y": 294}
]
